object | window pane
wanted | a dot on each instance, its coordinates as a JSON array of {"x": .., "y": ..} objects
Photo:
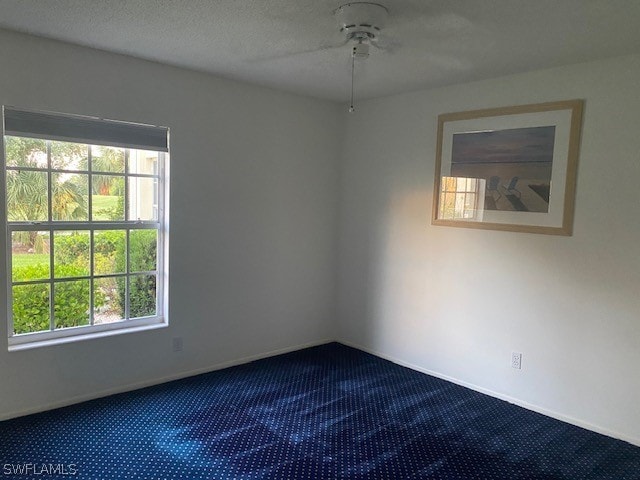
[
  {"x": 470, "y": 201},
  {"x": 70, "y": 193},
  {"x": 108, "y": 299},
  {"x": 71, "y": 303},
  {"x": 448, "y": 206},
  {"x": 27, "y": 196},
  {"x": 25, "y": 152},
  {"x": 107, "y": 197},
  {"x": 30, "y": 256},
  {"x": 471, "y": 184},
  {"x": 459, "y": 208},
  {"x": 69, "y": 156},
  {"x": 143, "y": 198},
  {"x": 71, "y": 254},
  {"x": 109, "y": 252},
  {"x": 142, "y": 296},
  {"x": 143, "y": 161},
  {"x": 142, "y": 250},
  {"x": 107, "y": 159},
  {"x": 30, "y": 308},
  {"x": 449, "y": 184}
]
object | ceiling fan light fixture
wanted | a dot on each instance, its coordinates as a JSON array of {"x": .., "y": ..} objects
[{"x": 361, "y": 20}]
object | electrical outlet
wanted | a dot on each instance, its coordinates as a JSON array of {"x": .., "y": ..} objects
[
  {"x": 177, "y": 344},
  {"x": 516, "y": 360}
]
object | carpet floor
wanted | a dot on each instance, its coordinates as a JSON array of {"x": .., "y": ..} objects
[{"x": 328, "y": 412}]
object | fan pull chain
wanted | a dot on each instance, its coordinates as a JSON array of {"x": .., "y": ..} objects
[{"x": 353, "y": 67}]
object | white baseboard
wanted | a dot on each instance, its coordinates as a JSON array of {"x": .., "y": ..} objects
[
  {"x": 521, "y": 403},
  {"x": 251, "y": 358},
  {"x": 156, "y": 381}
]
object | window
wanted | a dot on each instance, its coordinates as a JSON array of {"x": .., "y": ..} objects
[
  {"x": 86, "y": 225},
  {"x": 461, "y": 198}
]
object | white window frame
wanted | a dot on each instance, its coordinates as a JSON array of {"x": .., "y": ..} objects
[{"x": 52, "y": 336}]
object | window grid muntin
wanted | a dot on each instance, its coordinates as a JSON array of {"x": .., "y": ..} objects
[
  {"x": 127, "y": 287},
  {"x": 91, "y": 269},
  {"x": 52, "y": 226},
  {"x": 98, "y": 276},
  {"x": 126, "y": 192}
]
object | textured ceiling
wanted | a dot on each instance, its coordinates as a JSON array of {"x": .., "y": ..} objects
[{"x": 437, "y": 42}]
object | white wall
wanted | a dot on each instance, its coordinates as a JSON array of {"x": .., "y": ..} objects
[
  {"x": 457, "y": 302},
  {"x": 254, "y": 178},
  {"x": 255, "y": 190}
]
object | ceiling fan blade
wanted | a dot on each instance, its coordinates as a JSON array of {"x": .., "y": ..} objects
[
  {"x": 386, "y": 43},
  {"x": 438, "y": 26},
  {"x": 279, "y": 56}
]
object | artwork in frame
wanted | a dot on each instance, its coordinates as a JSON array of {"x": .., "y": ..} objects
[{"x": 510, "y": 168}]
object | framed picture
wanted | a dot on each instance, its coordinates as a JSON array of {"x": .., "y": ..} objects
[{"x": 511, "y": 168}]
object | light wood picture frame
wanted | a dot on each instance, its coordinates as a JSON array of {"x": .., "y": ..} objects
[{"x": 510, "y": 168}]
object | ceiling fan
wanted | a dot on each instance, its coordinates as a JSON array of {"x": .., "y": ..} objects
[
  {"x": 362, "y": 24},
  {"x": 359, "y": 24}
]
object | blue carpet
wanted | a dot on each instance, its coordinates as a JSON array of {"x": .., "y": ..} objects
[{"x": 329, "y": 412}]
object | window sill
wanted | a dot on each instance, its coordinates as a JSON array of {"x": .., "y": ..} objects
[{"x": 27, "y": 345}]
